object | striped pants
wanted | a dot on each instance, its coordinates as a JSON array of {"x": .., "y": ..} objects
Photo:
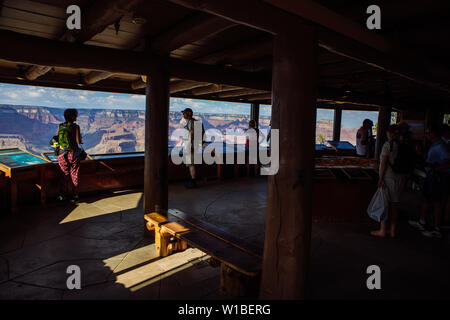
[{"x": 70, "y": 167}]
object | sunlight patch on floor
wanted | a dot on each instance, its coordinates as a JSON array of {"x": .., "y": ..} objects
[
  {"x": 86, "y": 211},
  {"x": 147, "y": 274}
]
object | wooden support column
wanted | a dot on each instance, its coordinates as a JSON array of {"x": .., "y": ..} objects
[
  {"x": 156, "y": 142},
  {"x": 289, "y": 192},
  {"x": 384, "y": 120},
  {"x": 254, "y": 113},
  {"x": 337, "y": 124}
]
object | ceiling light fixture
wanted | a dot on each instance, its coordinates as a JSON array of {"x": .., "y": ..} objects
[
  {"x": 138, "y": 19},
  {"x": 21, "y": 73},
  {"x": 80, "y": 82}
]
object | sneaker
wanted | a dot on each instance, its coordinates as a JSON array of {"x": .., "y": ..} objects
[
  {"x": 75, "y": 199},
  {"x": 417, "y": 225},
  {"x": 433, "y": 233},
  {"x": 60, "y": 198}
]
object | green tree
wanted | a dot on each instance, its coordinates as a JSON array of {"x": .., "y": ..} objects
[{"x": 321, "y": 139}]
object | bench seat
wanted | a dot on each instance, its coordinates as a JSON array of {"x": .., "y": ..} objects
[{"x": 240, "y": 267}]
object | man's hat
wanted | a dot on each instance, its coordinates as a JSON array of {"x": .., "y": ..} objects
[{"x": 187, "y": 110}]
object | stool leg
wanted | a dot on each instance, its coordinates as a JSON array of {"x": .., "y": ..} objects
[
  {"x": 164, "y": 244},
  {"x": 150, "y": 226},
  {"x": 181, "y": 245},
  {"x": 229, "y": 282},
  {"x": 158, "y": 240},
  {"x": 234, "y": 284}
]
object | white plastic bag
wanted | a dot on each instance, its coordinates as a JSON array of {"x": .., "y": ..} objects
[{"x": 379, "y": 205}]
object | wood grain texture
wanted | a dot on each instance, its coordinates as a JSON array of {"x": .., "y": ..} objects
[{"x": 289, "y": 192}]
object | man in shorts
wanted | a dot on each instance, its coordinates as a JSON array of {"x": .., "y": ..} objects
[{"x": 190, "y": 145}]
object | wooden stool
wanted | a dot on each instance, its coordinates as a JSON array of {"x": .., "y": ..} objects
[{"x": 166, "y": 240}]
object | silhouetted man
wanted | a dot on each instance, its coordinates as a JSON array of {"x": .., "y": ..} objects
[{"x": 364, "y": 139}]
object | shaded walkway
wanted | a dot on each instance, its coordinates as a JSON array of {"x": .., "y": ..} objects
[{"x": 105, "y": 236}]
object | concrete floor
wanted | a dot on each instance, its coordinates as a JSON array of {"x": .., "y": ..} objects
[{"x": 104, "y": 235}]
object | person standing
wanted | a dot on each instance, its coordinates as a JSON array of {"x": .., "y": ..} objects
[
  {"x": 436, "y": 187},
  {"x": 364, "y": 139},
  {"x": 191, "y": 144},
  {"x": 391, "y": 180},
  {"x": 69, "y": 136},
  {"x": 252, "y": 125}
]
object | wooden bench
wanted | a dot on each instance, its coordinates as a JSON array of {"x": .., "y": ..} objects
[{"x": 240, "y": 266}]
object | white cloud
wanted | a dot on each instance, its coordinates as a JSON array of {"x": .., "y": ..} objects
[
  {"x": 34, "y": 94},
  {"x": 71, "y": 98},
  {"x": 12, "y": 95}
]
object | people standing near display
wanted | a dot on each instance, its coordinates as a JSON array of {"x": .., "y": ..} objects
[
  {"x": 391, "y": 180},
  {"x": 364, "y": 139},
  {"x": 69, "y": 137},
  {"x": 191, "y": 145},
  {"x": 436, "y": 186},
  {"x": 252, "y": 125}
]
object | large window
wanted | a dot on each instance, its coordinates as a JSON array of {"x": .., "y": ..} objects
[
  {"x": 109, "y": 122},
  {"x": 352, "y": 121},
  {"x": 446, "y": 118},
  {"x": 265, "y": 113},
  {"x": 324, "y": 125},
  {"x": 214, "y": 115}
]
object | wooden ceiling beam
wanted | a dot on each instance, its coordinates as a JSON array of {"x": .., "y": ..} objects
[
  {"x": 61, "y": 80},
  {"x": 94, "y": 20},
  {"x": 137, "y": 84},
  {"x": 257, "y": 65},
  {"x": 276, "y": 16},
  {"x": 240, "y": 53},
  {"x": 40, "y": 51},
  {"x": 184, "y": 85},
  {"x": 239, "y": 93},
  {"x": 321, "y": 15},
  {"x": 197, "y": 27},
  {"x": 212, "y": 88},
  {"x": 175, "y": 86},
  {"x": 96, "y": 76},
  {"x": 336, "y": 33},
  {"x": 260, "y": 97},
  {"x": 403, "y": 65}
]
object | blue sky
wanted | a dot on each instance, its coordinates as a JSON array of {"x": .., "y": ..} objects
[
  {"x": 68, "y": 98},
  {"x": 350, "y": 119}
]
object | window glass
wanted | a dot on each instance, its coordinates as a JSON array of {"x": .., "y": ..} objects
[
  {"x": 324, "y": 125},
  {"x": 352, "y": 121}
]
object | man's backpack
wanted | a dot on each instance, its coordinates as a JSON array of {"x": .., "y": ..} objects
[
  {"x": 405, "y": 161},
  {"x": 65, "y": 136}
]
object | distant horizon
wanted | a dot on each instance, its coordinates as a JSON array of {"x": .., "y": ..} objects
[
  {"x": 86, "y": 99},
  {"x": 37, "y": 106},
  {"x": 48, "y": 97}
]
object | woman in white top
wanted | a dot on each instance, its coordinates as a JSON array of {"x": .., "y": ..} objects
[{"x": 392, "y": 181}]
